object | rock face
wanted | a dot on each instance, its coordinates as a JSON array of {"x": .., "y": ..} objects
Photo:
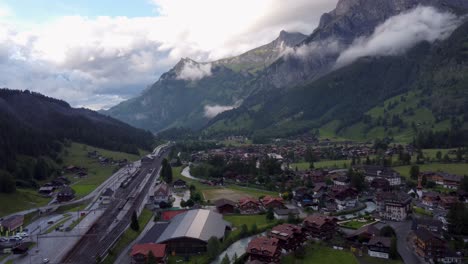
[
  {"x": 340, "y": 27},
  {"x": 191, "y": 93}
]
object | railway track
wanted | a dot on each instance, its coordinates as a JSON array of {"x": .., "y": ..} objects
[{"x": 97, "y": 241}]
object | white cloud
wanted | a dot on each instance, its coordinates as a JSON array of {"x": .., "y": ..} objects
[
  {"x": 314, "y": 49},
  {"x": 401, "y": 32},
  {"x": 214, "y": 110},
  {"x": 192, "y": 71},
  {"x": 83, "y": 60}
]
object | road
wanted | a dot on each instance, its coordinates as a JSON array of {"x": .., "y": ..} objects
[
  {"x": 402, "y": 230},
  {"x": 108, "y": 228}
]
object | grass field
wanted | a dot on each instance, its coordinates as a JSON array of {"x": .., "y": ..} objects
[
  {"x": 454, "y": 168},
  {"x": 76, "y": 155},
  {"x": 320, "y": 254},
  {"x": 212, "y": 193},
  {"x": 128, "y": 236},
  {"x": 355, "y": 224},
  {"x": 249, "y": 220},
  {"x": 322, "y": 164},
  {"x": 421, "y": 211},
  {"x": 22, "y": 199}
]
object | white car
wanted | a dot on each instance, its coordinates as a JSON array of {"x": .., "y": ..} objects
[
  {"x": 23, "y": 234},
  {"x": 46, "y": 260}
]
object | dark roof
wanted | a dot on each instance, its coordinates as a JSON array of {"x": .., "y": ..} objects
[
  {"x": 154, "y": 233},
  {"x": 424, "y": 234},
  {"x": 385, "y": 241},
  {"x": 222, "y": 202},
  {"x": 287, "y": 211}
]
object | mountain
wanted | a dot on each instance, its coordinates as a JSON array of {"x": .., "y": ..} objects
[
  {"x": 35, "y": 126},
  {"x": 387, "y": 96},
  {"x": 191, "y": 93}
]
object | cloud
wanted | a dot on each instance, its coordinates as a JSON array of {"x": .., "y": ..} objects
[
  {"x": 315, "y": 49},
  {"x": 192, "y": 71},
  {"x": 99, "y": 61},
  {"x": 401, "y": 32},
  {"x": 214, "y": 110}
]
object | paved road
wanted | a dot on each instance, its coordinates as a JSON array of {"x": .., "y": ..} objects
[{"x": 402, "y": 230}]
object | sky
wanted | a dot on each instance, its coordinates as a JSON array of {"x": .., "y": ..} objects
[{"x": 96, "y": 54}]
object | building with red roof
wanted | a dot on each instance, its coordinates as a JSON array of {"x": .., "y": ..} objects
[
  {"x": 140, "y": 252},
  {"x": 290, "y": 236},
  {"x": 168, "y": 215},
  {"x": 249, "y": 206},
  {"x": 264, "y": 249},
  {"x": 320, "y": 226},
  {"x": 272, "y": 202}
]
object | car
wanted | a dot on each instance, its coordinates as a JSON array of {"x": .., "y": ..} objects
[
  {"x": 46, "y": 260},
  {"x": 23, "y": 234}
]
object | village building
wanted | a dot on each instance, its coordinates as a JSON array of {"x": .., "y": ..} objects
[
  {"x": 162, "y": 193},
  {"x": 65, "y": 194},
  {"x": 225, "y": 206},
  {"x": 269, "y": 202},
  {"x": 289, "y": 236},
  {"x": 284, "y": 214},
  {"x": 446, "y": 202},
  {"x": 12, "y": 223},
  {"x": 395, "y": 206},
  {"x": 447, "y": 180},
  {"x": 374, "y": 172},
  {"x": 320, "y": 226},
  {"x": 188, "y": 233},
  {"x": 344, "y": 197},
  {"x": 249, "y": 206},
  {"x": 428, "y": 246},
  {"x": 179, "y": 184},
  {"x": 140, "y": 253},
  {"x": 264, "y": 250},
  {"x": 379, "y": 247}
]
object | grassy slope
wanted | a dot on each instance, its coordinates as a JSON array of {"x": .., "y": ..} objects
[
  {"x": 23, "y": 199},
  {"x": 455, "y": 168},
  {"x": 76, "y": 155}
]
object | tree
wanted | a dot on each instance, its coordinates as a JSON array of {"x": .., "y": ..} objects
[
  {"x": 270, "y": 215},
  {"x": 414, "y": 172},
  {"x": 151, "y": 258},
  {"x": 254, "y": 228},
  {"x": 291, "y": 218},
  {"x": 357, "y": 180},
  {"x": 457, "y": 218},
  {"x": 7, "y": 182},
  {"x": 166, "y": 171},
  {"x": 225, "y": 259},
  {"x": 244, "y": 230},
  {"x": 134, "y": 224},
  {"x": 213, "y": 248},
  {"x": 424, "y": 180},
  {"x": 464, "y": 184},
  {"x": 393, "y": 248},
  {"x": 41, "y": 169},
  {"x": 439, "y": 155},
  {"x": 387, "y": 231},
  {"x": 190, "y": 203}
]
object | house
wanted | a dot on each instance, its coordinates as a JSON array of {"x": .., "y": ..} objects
[
  {"x": 341, "y": 180},
  {"x": 446, "y": 202},
  {"x": 188, "y": 233},
  {"x": 283, "y": 214},
  {"x": 380, "y": 184},
  {"x": 225, "y": 206},
  {"x": 65, "y": 194},
  {"x": 12, "y": 223},
  {"x": 289, "y": 236},
  {"x": 430, "y": 199},
  {"x": 46, "y": 190},
  {"x": 20, "y": 249},
  {"x": 428, "y": 246},
  {"x": 379, "y": 247},
  {"x": 249, "y": 206},
  {"x": 269, "y": 202},
  {"x": 320, "y": 226},
  {"x": 433, "y": 225},
  {"x": 364, "y": 234},
  {"x": 140, "y": 253},
  {"x": 447, "y": 180},
  {"x": 264, "y": 250},
  {"x": 168, "y": 215},
  {"x": 162, "y": 193},
  {"x": 395, "y": 206},
  {"x": 303, "y": 196},
  {"x": 179, "y": 184},
  {"x": 344, "y": 197},
  {"x": 373, "y": 172}
]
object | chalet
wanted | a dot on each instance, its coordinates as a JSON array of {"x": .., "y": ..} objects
[
  {"x": 320, "y": 226},
  {"x": 447, "y": 180},
  {"x": 430, "y": 199},
  {"x": 289, "y": 236},
  {"x": 364, "y": 234},
  {"x": 319, "y": 188},
  {"x": 225, "y": 206},
  {"x": 12, "y": 223},
  {"x": 379, "y": 247},
  {"x": 65, "y": 194},
  {"x": 380, "y": 184},
  {"x": 272, "y": 202},
  {"x": 249, "y": 206},
  {"x": 446, "y": 202},
  {"x": 341, "y": 180},
  {"x": 179, "y": 184},
  {"x": 433, "y": 225},
  {"x": 303, "y": 196},
  {"x": 393, "y": 206},
  {"x": 264, "y": 249},
  {"x": 344, "y": 197},
  {"x": 373, "y": 172},
  {"x": 46, "y": 190},
  {"x": 73, "y": 169},
  {"x": 162, "y": 193},
  {"x": 283, "y": 214},
  {"x": 428, "y": 246},
  {"x": 140, "y": 253}
]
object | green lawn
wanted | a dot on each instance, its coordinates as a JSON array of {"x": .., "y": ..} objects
[
  {"x": 128, "y": 236},
  {"x": 76, "y": 155},
  {"x": 321, "y": 254},
  {"x": 22, "y": 199},
  {"x": 239, "y": 220},
  {"x": 354, "y": 224},
  {"x": 455, "y": 168},
  {"x": 421, "y": 211},
  {"x": 322, "y": 164}
]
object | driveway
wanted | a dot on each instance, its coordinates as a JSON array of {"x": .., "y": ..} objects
[{"x": 402, "y": 230}]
